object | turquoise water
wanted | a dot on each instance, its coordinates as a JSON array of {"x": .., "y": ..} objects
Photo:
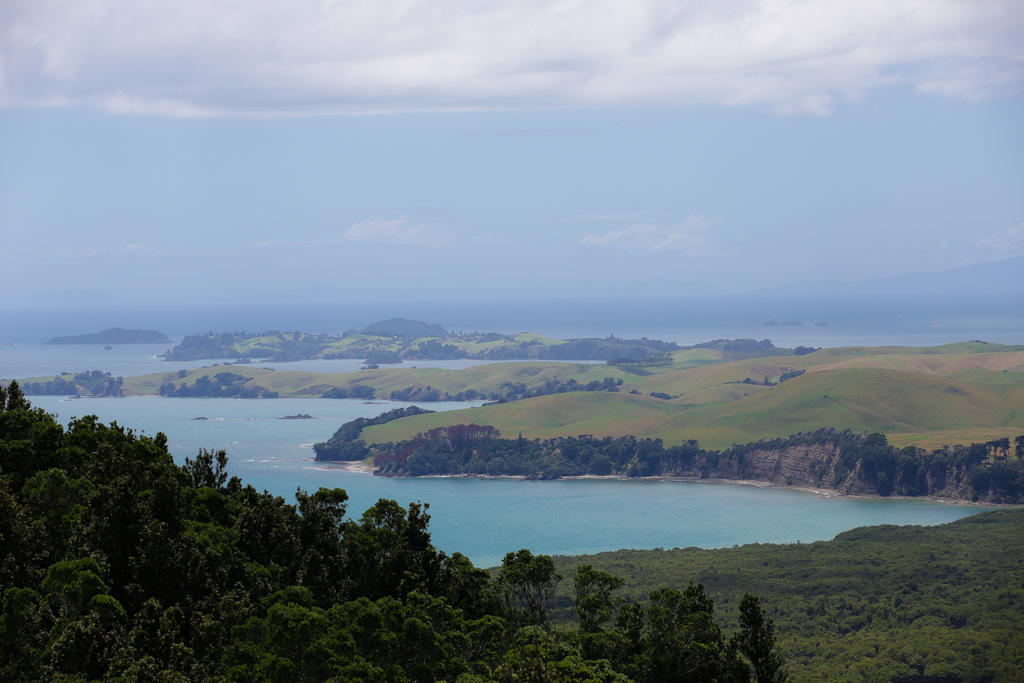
[{"x": 486, "y": 518}]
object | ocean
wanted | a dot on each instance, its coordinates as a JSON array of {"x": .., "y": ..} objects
[{"x": 486, "y": 518}]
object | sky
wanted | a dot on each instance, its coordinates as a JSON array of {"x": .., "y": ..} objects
[{"x": 229, "y": 150}]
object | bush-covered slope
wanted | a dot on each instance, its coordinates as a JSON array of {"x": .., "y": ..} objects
[{"x": 871, "y": 605}]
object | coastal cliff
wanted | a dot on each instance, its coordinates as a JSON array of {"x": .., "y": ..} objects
[{"x": 843, "y": 462}]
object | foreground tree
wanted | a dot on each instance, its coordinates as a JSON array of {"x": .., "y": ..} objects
[
  {"x": 117, "y": 565},
  {"x": 756, "y": 642}
]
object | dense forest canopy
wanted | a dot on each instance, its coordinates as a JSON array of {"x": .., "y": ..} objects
[
  {"x": 906, "y": 604},
  {"x": 118, "y": 565}
]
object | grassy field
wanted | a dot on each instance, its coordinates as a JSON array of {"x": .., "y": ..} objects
[
  {"x": 888, "y": 401},
  {"x": 928, "y": 397}
]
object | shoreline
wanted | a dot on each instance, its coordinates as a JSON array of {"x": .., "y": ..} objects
[{"x": 363, "y": 468}]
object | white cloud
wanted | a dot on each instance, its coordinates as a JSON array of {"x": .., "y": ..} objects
[
  {"x": 282, "y": 57},
  {"x": 1011, "y": 240},
  {"x": 397, "y": 231},
  {"x": 690, "y": 237}
]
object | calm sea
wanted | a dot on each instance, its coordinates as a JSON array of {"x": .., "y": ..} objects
[
  {"x": 486, "y": 518},
  {"x": 883, "y": 323}
]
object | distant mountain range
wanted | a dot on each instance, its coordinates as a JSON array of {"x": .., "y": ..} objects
[{"x": 999, "y": 277}]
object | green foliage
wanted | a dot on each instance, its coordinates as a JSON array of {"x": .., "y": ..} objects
[
  {"x": 593, "y": 599},
  {"x": 345, "y": 444},
  {"x": 517, "y": 391},
  {"x": 856, "y": 463},
  {"x": 117, "y": 565},
  {"x": 95, "y": 383},
  {"x": 756, "y": 642},
  {"x": 223, "y": 385},
  {"x": 873, "y": 604},
  {"x": 527, "y": 583},
  {"x": 736, "y": 345},
  {"x": 383, "y": 357}
]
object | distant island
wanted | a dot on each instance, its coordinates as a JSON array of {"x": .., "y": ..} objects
[
  {"x": 394, "y": 341},
  {"x": 115, "y": 335},
  {"x": 400, "y": 327}
]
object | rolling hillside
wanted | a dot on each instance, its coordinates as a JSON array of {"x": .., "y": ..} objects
[
  {"x": 889, "y": 401},
  {"x": 927, "y": 397}
]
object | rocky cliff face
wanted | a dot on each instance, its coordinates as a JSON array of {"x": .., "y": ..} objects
[{"x": 822, "y": 466}]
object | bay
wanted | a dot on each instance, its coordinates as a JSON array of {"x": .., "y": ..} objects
[{"x": 486, "y": 518}]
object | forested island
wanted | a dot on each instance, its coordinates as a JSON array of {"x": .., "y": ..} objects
[
  {"x": 842, "y": 461},
  {"x": 398, "y": 340},
  {"x": 115, "y": 335}
]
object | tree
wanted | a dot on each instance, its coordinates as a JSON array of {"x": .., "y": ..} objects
[
  {"x": 528, "y": 583},
  {"x": 682, "y": 642},
  {"x": 594, "y": 603},
  {"x": 756, "y": 642},
  {"x": 15, "y": 398}
]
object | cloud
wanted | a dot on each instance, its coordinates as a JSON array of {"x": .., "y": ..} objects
[
  {"x": 690, "y": 237},
  {"x": 279, "y": 57},
  {"x": 397, "y": 231},
  {"x": 1011, "y": 240}
]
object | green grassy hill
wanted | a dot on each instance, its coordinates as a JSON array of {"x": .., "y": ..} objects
[
  {"x": 874, "y": 603},
  {"x": 887, "y": 401},
  {"x": 928, "y": 397}
]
